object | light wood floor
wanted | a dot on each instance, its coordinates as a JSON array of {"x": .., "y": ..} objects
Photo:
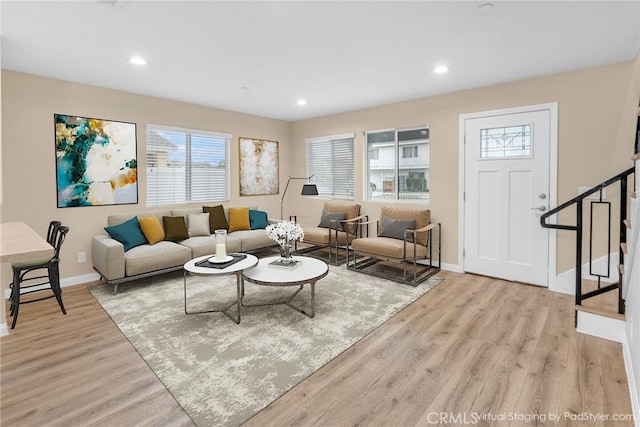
[{"x": 473, "y": 349}]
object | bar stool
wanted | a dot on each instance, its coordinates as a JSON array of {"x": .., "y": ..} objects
[{"x": 55, "y": 236}]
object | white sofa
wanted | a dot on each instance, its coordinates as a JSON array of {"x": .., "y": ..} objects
[{"x": 115, "y": 265}]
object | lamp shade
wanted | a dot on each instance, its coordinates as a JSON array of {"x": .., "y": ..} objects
[{"x": 309, "y": 190}]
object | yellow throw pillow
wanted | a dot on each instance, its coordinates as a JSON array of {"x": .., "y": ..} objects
[
  {"x": 151, "y": 228},
  {"x": 239, "y": 219}
]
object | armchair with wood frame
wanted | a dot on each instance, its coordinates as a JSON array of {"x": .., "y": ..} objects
[{"x": 403, "y": 236}]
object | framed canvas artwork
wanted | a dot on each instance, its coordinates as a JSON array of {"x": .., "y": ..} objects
[
  {"x": 258, "y": 167},
  {"x": 95, "y": 161}
]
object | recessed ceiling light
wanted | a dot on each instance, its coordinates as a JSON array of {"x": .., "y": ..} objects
[
  {"x": 138, "y": 60},
  {"x": 301, "y": 102},
  {"x": 440, "y": 69},
  {"x": 245, "y": 88},
  {"x": 486, "y": 7}
]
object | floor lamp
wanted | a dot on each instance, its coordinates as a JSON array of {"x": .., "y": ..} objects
[{"x": 307, "y": 190}]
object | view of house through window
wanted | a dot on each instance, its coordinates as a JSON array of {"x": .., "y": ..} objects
[
  {"x": 185, "y": 166},
  {"x": 330, "y": 160},
  {"x": 398, "y": 164}
]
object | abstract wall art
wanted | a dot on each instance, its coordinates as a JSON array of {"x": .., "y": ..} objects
[
  {"x": 258, "y": 167},
  {"x": 95, "y": 162}
]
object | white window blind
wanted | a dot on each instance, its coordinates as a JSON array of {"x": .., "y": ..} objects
[
  {"x": 186, "y": 166},
  {"x": 331, "y": 162}
]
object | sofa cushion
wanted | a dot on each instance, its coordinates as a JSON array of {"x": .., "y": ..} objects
[
  {"x": 120, "y": 218},
  {"x": 175, "y": 228},
  {"x": 147, "y": 258},
  {"x": 258, "y": 219},
  {"x": 239, "y": 219},
  {"x": 395, "y": 228},
  {"x": 128, "y": 233},
  {"x": 198, "y": 224},
  {"x": 217, "y": 219},
  {"x": 206, "y": 245},
  {"x": 151, "y": 228},
  {"x": 252, "y": 239}
]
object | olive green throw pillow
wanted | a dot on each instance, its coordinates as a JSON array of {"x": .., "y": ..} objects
[
  {"x": 217, "y": 220},
  {"x": 175, "y": 228}
]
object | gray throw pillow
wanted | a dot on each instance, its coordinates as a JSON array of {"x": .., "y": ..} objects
[
  {"x": 328, "y": 216},
  {"x": 394, "y": 228}
]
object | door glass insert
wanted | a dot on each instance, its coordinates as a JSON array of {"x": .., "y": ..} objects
[{"x": 505, "y": 142}]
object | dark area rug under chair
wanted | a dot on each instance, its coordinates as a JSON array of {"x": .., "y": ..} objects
[{"x": 222, "y": 373}]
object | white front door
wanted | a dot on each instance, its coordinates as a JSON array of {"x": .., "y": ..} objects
[{"x": 506, "y": 190}]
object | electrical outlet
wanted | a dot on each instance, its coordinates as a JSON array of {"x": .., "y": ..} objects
[{"x": 82, "y": 257}]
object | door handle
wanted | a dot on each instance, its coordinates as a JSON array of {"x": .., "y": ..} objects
[{"x": 540, "y": 208}]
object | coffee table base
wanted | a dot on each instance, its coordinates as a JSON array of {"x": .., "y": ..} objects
[
  {"x": 288, "y": 300},
  {"x": 225, "y": 311}
]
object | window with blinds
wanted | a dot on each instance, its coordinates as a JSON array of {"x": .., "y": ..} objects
[
  {"x": 186, "y": 166},
  {"x": 331, "y": 162}
]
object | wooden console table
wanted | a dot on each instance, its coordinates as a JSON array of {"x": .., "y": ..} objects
[{"x": 18, "y": 242}]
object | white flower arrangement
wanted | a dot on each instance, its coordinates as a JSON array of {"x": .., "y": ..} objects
[{"x": 285, "y": 232}]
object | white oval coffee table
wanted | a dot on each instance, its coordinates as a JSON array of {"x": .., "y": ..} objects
[
  {"x": 236, "y": 268},
  {"x": 309, "y": 271}
]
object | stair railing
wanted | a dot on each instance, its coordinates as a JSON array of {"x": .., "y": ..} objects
[{"x": 578, "y": 201}]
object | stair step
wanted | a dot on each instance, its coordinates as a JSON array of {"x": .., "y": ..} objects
[
  {"x": 636, "y": 157},
  {"x": 621, "y": 269},
  {"x": 600, "y": 312},
  {"x": 623, "y": 246},
  {"x": 633, "y": 195},
  {"x": 627, "y": 222}
]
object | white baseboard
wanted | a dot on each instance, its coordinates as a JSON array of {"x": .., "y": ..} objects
[
  {"x": 68, "y": 281},
  {"x": 566, "y": 282},
  {"x": 602, "y": 326},
  {"x": 633, "y": 391},
  {"x": 451, "y": 267},
  {"x": 3, "y": 329}
]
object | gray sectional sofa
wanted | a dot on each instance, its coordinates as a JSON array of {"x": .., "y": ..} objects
[{"x": 115, "y": 265}]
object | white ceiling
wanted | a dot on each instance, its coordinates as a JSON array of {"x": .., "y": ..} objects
[{"x": 261, "y": 57}]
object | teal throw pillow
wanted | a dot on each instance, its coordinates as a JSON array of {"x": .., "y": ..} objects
[
  {"x": 128, "y": 233},
  {"x": 258, "y": 219}
]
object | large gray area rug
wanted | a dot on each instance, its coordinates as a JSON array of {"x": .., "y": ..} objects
[{"x": 222, "y": 373}]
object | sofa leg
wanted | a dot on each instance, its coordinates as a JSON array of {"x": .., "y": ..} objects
[{"x": 115, "y": 288}]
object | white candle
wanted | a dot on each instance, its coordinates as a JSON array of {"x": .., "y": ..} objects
[{"x": 221, "y": 251}]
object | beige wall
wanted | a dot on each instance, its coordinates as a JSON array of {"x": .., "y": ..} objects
[
  {"x": 28, "y": 169},
  {"x": 596, "y": 122}
]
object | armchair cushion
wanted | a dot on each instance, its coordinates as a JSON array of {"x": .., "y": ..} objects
[
  {"x": 395, "y": 228},
  {"x": 422, "y": 217},
  {"x": 327, "y": 217},
  {"x": 351, "y": 211},
  {"x": 387, "y": 247}
]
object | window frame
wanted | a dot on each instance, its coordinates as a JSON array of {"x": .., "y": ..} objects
[
  {"x": 397, "y": 156},
  {"x": 189, "y": 133}
]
